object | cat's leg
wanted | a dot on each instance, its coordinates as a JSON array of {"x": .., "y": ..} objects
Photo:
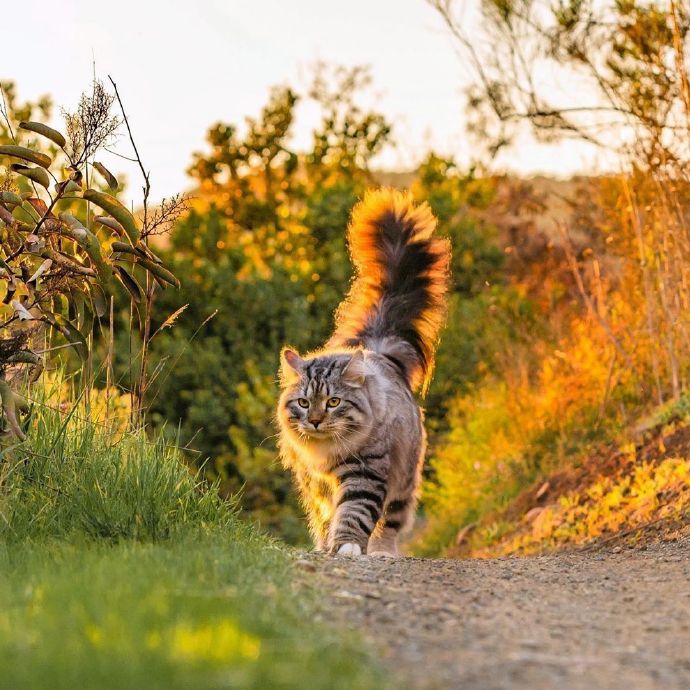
[
  {"x": 383, "y": 542},
  {"x": 399, "y": 515},
  {"x": 315, "y": 502},
  {"x": 319, "y": 531},
  {"x": 318, "y": 521},
  {"x": 401, "y": 502},
  {"x": 320, "y": 543},
  {"x": 359, "y": 502}
]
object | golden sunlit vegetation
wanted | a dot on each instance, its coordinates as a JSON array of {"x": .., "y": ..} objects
[
  {"x": 637, "y": 490},
  {"x": 568, "y": 314},
  {"x": 609, "y": 294},
  {"x": 586, "y": 375},
  {"x": 146, "y": 525},
  {"x": 652, "y": 491}
]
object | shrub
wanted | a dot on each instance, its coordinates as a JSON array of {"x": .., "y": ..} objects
[{"x": 61, "y": 264}]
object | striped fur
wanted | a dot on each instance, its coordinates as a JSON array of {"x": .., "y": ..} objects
[
  {"x": 397, "y": 302},
  {"x": 350, "y": 429}
]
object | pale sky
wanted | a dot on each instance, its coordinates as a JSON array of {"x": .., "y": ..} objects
[{"x": 182, "y": 66}]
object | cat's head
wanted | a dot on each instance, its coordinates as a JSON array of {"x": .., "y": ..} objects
[{"x": 324, "y": 397}]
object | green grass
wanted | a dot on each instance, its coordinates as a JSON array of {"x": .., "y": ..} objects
[
  {"x": 74, "y": 476},
  {"x": 209, "y": 610},
  {"x": 118, "y": 569}
]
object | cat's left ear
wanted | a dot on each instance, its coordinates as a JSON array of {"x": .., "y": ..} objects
[
  {"x": 354, "y": 373},
  {"x": 291, "y": 366}
]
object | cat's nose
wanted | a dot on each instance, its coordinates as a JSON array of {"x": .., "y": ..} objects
[{"x": 315, "y": 422}]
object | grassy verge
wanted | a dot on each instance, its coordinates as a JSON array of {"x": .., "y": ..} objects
[
  {"x": 119, "y": 570},
  {"x": 204, "y": 610}
]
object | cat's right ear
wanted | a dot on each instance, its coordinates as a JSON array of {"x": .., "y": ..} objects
[{"x": 291, "y": 366}]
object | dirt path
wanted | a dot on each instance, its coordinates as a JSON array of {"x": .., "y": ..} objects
[{"x": 616, "y": 619}]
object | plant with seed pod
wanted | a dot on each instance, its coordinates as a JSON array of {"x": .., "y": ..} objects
[{"x": 67, "y": 248}]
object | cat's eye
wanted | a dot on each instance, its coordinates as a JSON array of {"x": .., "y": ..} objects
[
  {"x": 303, "y": 402},
  {"x": 333, "y": 402}
]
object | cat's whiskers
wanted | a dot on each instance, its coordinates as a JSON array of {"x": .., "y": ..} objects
[
  {"x": 363, "y": 460},
  {"x": 269, "y": 437}
]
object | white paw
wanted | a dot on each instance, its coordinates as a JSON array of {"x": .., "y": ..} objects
[
  {"x": 350, "y": 550},
  {"x": 382, "y": 554}
]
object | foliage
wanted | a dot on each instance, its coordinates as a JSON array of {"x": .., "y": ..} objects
[
  {"x": 262, "y": 261},
  {"x": 122, "y": 569},
  {"x": 81, "y": 472},
  {"x": 648, "y": 493},
  {"x": 599, "y": 337},
  {"x": 61, "y": 264},
  {"x": 625, "y": 56},
  {"x": 348, "y": 137},
  {"x": 516, "y": 426}
]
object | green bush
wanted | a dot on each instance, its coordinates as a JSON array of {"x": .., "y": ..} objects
[{"x": 261, "y": 255}]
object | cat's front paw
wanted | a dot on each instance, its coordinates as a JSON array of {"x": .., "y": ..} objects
[{"x": 350, "y": 550}]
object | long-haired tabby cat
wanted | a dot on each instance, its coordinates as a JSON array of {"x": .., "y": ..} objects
[{"x": 350, "y": 429}]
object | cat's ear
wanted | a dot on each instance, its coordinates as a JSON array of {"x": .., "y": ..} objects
[
  {"x": 354, "y": 373},
  {"x": 291, "y": 366}
]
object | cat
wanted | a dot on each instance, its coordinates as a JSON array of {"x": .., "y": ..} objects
[{"x": 351, "y": 431}]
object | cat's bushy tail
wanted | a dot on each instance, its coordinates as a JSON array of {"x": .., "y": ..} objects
[{"x": 397, "y": 303}]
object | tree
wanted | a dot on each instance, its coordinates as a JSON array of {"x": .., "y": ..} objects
[{"x": 624, "y": 58}]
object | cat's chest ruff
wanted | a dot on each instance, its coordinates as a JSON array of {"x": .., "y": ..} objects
[{"x": 317, "y": 457}]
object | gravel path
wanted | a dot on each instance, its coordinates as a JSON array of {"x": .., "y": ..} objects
[{"x": 616, "y": 619}]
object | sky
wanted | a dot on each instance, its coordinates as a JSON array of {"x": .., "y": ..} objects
[{"x": 181, "y": 66}]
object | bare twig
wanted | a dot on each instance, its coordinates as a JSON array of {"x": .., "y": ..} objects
[
  {"x": 163, "y": 217},
  {"x": 141, "y": 385},
  {"x": 147, "y": 183},
  {"x": 4, "y": 111}
]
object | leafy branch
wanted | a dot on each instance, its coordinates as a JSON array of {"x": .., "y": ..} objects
[{"x": 60, "y": 266}]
